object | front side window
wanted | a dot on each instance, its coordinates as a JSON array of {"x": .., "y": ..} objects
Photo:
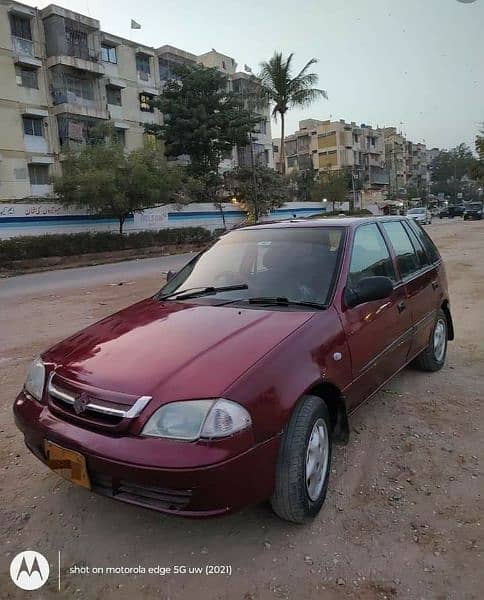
[
  {"x": 407, "y": 259},
  {"x": 299, "y": 264},
  {"x": 33, "y": 126},
  {"x": 370, "y": 256}
]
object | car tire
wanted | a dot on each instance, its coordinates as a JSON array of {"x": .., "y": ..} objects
[
  {"x": 304, "y": 462},
  {"x": 433, "y": 357}
]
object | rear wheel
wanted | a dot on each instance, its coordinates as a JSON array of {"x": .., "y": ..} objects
[
  {"x": 304, "y": 462},
  {"x": 433, "y": 357}
]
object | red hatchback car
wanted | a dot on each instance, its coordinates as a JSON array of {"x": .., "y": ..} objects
[{"x": 230, "y": 385}]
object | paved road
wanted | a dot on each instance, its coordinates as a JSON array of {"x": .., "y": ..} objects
[{"x": 37, "y": 283}]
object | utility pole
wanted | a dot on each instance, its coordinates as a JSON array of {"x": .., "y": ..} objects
[{"x": 254, "y": 178}]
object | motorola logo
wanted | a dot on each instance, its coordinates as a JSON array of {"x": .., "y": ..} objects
[{"x": 29, "y": 570}]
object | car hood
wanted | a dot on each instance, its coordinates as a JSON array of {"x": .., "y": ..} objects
[{"x": 171, "y": 350}]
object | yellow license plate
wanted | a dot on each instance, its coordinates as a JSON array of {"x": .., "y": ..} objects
[{"x": 67, "y": 463}]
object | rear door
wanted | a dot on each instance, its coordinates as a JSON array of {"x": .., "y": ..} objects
[
  {"x": 378, "y": 332},
  {"x": 419, "y": 276}
]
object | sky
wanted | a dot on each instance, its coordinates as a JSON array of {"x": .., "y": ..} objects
[{"x": 414, "y": 64}]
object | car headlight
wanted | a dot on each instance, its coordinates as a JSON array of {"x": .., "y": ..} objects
[
  {"x": 34, "y": 384},
  {"x": 193, "y": 419}
]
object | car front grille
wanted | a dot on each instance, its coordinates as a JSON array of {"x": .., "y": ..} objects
[{"x": 144, "y": 495}]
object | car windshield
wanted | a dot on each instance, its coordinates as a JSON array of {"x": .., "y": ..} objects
[
  {"x": 416, "y": 211},
  {"x": 297, "y": 264},
  {"x": 475, "y": 206}
]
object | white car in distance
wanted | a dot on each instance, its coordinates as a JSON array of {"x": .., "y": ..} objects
[{"x": 420, "y": 214}]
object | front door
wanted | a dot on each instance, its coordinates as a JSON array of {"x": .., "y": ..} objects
[{"x": 378, "y": 332}]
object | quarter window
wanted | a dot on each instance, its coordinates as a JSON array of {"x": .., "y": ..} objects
[
  {"x": 407, "y": 259},
  {"x": 370, "y": 256}
]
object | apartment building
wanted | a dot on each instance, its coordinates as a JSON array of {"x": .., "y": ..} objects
[
  {"x": 396, "y": 159},
  {"x": 61, "y": 75},
  {"x": 335, "y": 145}
]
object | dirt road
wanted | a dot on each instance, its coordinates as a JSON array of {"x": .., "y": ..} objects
[{"x": 404, "y": 509}]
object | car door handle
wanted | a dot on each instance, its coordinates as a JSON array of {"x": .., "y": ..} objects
[
  {"x": 435, "y": 285},
  {"x": 401, "y": 306}
]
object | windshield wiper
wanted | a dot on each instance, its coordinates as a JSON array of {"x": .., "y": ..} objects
[
  {"x": 202, "y": 291},
  {"x": 283, "y": 301}
]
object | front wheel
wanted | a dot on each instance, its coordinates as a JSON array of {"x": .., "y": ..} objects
[
  {"x": 304, "y": 462},
  {"x": 433, "y": 357}
]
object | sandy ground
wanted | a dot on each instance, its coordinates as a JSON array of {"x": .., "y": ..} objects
[{"x": 404, "y": 509}]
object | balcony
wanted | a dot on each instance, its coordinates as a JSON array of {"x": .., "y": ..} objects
[
  {"x": 77, "y": 57},
  {"x": 25, "y": 52}
]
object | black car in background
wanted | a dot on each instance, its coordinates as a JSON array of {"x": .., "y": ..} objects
[{"x": 473, "y": 211}]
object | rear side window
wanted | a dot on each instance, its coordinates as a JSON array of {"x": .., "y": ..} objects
[
  {"x": 370, "y": 256},
  {"x": 427, "y": 243},
  {"x": 407, "y": 259},
  {"x": 419, "y": 249}
]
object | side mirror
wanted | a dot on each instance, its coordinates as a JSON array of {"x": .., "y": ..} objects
[
  {"x": 368, "y": 289},
  {"x": 170, "y": 275}
]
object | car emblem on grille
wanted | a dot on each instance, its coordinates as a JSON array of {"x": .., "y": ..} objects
[{"x": 80, "y": 403}]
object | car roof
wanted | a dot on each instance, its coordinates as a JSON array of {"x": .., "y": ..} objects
[{"x": 348, "y": 222}]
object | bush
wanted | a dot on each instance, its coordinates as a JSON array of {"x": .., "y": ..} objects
[{"x": 71, "y": 244}]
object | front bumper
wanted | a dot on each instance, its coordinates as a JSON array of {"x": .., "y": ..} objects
[{"x": 133, "y": 469}]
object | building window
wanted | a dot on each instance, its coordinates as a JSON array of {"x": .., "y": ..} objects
[
  {"x": 33, "y": 126},
  {"x": 120, "y": 136},
  {"x": 108, "y": 54},
  {"x": 143, "y": 66},
  {"x": 39, "y": 174},
  {"x": 145, "y": 102},
  {"x": 20, "y": 27},
  {"x": 113, "y": 95},
  {"x": 26, "y": 77},
  {"x": 76, "y": 41}
]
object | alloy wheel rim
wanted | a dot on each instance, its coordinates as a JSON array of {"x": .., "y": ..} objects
[
  {"x": 439, "y": 340},
  {"x": 317, "y": 457}
]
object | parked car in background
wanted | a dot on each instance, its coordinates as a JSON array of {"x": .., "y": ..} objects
[
  {"x": 420, "y": 214},
  {"x": 230, "y": 385},
  {"x": 473, "y": 211}
]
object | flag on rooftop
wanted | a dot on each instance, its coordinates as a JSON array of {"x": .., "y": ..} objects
[{"x": 135, "y": 25}]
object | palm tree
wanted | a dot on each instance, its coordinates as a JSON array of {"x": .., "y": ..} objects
[{"x": 285, "y": 91}]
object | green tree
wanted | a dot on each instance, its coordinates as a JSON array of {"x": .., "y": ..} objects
[
  {"x": 286, "y": 91},
  {"x": 303, "y": 183},
  {"x": 332, "y": 185},
  {"x": 258, "y": 190},
  {"x": 451, "y": 165},
  {"x": 109, "y": 182},
  {"x": 204, "y": 120},
  {"x": 476, "y": 170}
]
